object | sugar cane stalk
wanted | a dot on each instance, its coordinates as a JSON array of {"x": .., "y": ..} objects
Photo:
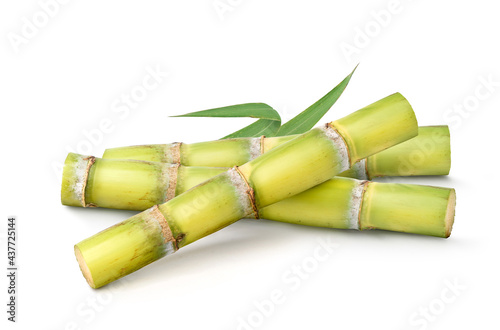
[
  {"x": 346, "y": 203},
  {"x": 426, "y": 154},
  {"x": 138, "y": 185},
  {"x": 278, "y": 174},
  {"x": 220, "y": 153},
  {"x": 336, "y": 203}
]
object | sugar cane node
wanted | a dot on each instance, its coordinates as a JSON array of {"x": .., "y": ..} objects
[
  {"x": 175, "y": 153},
  {"x": 165, "y": 228},
  {"x": 358, "y": 171},
  {"x": 340, "y": 143},
  {"x": 357, "y": 202},
  {"x": 254, "y": 148},
  {"x": 75, "y": 180},
  {"x": 250, "y": 192},
  {"x": 262, "y": 141},
  {"x": 90, "y": 161},
  {"x": 364, "y": 163},
  {"x": 172, "y": 181}
]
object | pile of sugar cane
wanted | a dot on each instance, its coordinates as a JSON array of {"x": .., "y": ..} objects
[{"x": 319, "y": 178}]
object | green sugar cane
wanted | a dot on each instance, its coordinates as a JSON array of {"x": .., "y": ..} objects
[{"x": 320, "y": 154}]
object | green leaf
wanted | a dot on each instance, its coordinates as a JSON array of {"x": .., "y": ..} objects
[
  {"x": 260, "y": 127},
  {"x": 306, "y": 120},
  {"x": 252, "y": 110},
  {"x": 268, "y": 124}
]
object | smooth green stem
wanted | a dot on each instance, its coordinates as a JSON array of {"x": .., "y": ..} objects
[
  {"x": 190, "y": 176},
  {"x": 427, "y": 154},
  {"x": 408, "y": 208},
  {"x": 326, "y": 205}
]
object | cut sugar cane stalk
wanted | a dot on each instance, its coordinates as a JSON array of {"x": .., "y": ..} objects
[
  {"x": 128, "y": 184},
  {"x": 429, "y": 153},
  {"x": 341, "y": 203},
  {"x": 426, "y": 154},
  {"x": 220, "y": 153},
  {"x": 321, "y": 153},
  {"x": 138, "y": 185},
  {"x": 346, "y": 203}
]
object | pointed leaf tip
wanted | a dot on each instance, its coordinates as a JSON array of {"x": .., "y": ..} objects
[{"x": 308, "y": 118}]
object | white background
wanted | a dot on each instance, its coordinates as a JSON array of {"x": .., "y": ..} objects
[{"x": 67, "y": 76}]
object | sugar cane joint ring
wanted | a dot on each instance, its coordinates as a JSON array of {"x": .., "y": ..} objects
[
  {"x": 154, "y": 213},
  {"x": 358, "y": 197},
  {"x": 339, "y": 142},
  {"x": 256, "y": 147},
  {"x": 365, "y": 162},
  {"x": 250, "y": 193},
  {"x": 175, "y": 153},
  {"x": 172, "y": 181},
  {"x": 90, "y": 161}
]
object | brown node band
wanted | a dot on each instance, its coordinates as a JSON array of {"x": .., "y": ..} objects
[
  {"x": 172, "y": 181},
  {"x": 175, "y": 152},
  {"x": 90, "y": 161},
  {"x": 368, "y": 176},
  {"x": 165, "y": 228},
  {"x": 251, "y": 194},
  {"x": 330, "y": 125},
  {"x": 365, "y": 186}
]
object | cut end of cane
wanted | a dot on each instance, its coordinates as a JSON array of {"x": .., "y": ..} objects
[
  {"x": 84, "y": 268},
  {"x": 124, "y": 248},
  {"x": 450, "y": 213}
]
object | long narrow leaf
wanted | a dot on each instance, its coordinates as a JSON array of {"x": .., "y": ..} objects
[
  {"x": 268, "y": 124},
  {"x": 252, "y": 110},
  {"x": 260, "y": 127},
  {"x": 306, "y": 120}
]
